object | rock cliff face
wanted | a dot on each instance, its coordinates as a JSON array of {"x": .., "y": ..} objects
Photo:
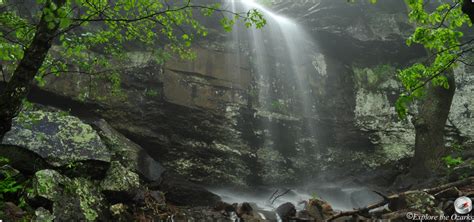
[{"x": 199, "y": 117}]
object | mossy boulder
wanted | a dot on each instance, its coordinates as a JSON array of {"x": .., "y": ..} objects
[
  {"x": 76, "y": 199},
  {"x": 58, "y": 138},
  {"x": 119, "y": 183},
  {"x": 47, "y": 184}
]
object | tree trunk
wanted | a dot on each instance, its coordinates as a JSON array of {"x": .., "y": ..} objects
[
  {"x": 468, "y": 9},
  {"x": 20, "y": 84},
  {"x": 429, "y": 127}
]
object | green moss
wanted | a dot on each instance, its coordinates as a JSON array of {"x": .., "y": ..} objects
[
  {"x": 47, "y": 184},
  {"x": 77, "y": 198},
  {"x": 120, "y": 178},
  {"x": 372, "y": 78},
  {"x": 59, "y": 138},
  {"x": 89, "y": 197}
]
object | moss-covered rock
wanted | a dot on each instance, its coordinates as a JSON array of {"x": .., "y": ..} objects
[
  {"x": 47, "y": 184},
  {"x": 76, "y": 199},
  {"x": 43, "y": 215},
  {"x": 59, "y": 138},
  {"x": 120, "y": 179}
]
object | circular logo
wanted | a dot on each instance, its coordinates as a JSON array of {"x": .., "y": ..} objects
[{"x": 463, "y": 205}]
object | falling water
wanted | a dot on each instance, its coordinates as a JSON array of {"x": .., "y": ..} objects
[
  {"x": 280, "y": 53},
  {"x": 280, "y": 56},
  {"x": 281, "y": 32}
]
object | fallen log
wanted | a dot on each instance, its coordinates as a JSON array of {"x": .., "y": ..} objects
[
  {"x": 464, "y": 182},
  {"x": 362, "y": 211},
  {"x": 392, "y": 198}
]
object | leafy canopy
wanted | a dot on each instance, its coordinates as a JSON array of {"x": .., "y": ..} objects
[
  {"x": 439, "y": 29},
  {"x": 94, "y": 35}
]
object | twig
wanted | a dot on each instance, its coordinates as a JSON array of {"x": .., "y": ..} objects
[
  {"x": 282, "y": 194},
  {"x": 361, "y": 211},
  {"x": 271, "y": 197}
]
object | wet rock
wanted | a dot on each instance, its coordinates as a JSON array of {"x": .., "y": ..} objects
[
  {"x": 129, "y": 153},
  {"x": 120, "y": 213},
  {"x": 244, "y": 209},
  {"x": 303, "y": 215},
  {"x": 286, "y": 211},
  {"x": 47, "y": 184},
  {"x": 199, "y": 135},
  {"x": 23, "y": 159},
  {"x": 119, "y": 183},
  {"x": 60, "y": 139},
  {"x": 319, "y": 209},
  {"x": 224, "y": 207},
  {"x": 200, "y": 214},
  {"x": 313, "y": 210},
  {"x": 76, "y": 199},
  {"x": 246, "y": 212},
  {"x": 43, "y": 215},
  {"x": 179, "y": 191},
  {"x": 150, "y": 199},
  {"x": 363, "y": 197},
  {"x": 13, "y": 212}
]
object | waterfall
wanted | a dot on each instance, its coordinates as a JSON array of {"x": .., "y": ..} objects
[
  {"x": 285, "y": 67},
  {"x": 280, "y": 56}
]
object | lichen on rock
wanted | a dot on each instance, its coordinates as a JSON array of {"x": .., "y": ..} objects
[
  {"x": 119, "y": 178},
  {"x": 72, "y": 199},
  {"x": 60, "y": 139},
  {"x": 47, "y": 184}
]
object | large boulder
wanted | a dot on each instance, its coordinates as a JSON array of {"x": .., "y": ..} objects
[
  {"x": 57, "y": 137},
  {"x": 286, "y": 211},
  {"x": 181, "y": 192}
]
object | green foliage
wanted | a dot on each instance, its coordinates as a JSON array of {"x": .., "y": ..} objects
[
  {"x": 457, "y": 147},
  {"x": 28, "y": 119},
  {"x": 8, "y": 183},
  {"x": 451, "y": 162},
  {"x": 151, "y": 92},
  {"x": 93, "y": 35},
  {"x": 439, "y": 31}
]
